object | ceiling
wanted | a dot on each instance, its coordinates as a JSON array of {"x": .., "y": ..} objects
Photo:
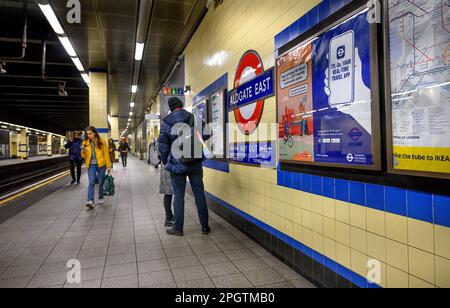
[
  {"x": 25, "y": 98},
  {"x": 104, "y": 41}
]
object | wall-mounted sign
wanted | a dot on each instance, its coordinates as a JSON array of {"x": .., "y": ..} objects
[
  {"x": 254, "y": 153},
  {"x": 252, "y": 86},
  {"x": 418, "y": 67},
  {"x": 324, "y": 96},
  {"x": 174, "y": 91},
  {"x": 216, "y": 106}
]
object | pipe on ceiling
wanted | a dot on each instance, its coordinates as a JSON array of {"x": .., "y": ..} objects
[{"x": 23, "y": 40}]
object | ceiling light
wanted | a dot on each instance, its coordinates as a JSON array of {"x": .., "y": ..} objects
[
  {"x": 132, "y": 104},
  {"x": 139, "y": 51},
  {"x": 131, "y": 113},
  {"x": 134, "y": 89},
  {"x": 67, "y": 46},
  {"x": 78, "y": 64},
  {"x": 85, "y": 77},
  {"x": 3, "y": 126},
  {"x": 51, "y": 17}
]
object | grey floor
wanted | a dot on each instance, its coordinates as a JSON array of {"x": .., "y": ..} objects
[{"x": 124, "y": 244}]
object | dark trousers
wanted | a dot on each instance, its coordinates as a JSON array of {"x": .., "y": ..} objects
[
  {"x": 179, "y": 188},
  {"x": 75, "y": 164},
  {"x": 124, "y": 157},
  {"x": 168, "y": 206}
]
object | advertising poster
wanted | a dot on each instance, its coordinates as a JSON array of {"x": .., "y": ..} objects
[
  {"x": 420, "y": 84},
  {"x": 324, "y": 100},
  {"x": 217, "y": 107},
  {"x": 294, "y": 75}
]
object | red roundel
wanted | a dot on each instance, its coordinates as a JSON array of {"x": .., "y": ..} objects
[{"x": 248, "y": 117}]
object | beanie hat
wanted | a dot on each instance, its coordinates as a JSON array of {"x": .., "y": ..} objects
[{"x": 174, "y": 103}]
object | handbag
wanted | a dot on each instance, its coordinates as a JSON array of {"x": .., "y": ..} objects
[{"x": 109, "y": 188}]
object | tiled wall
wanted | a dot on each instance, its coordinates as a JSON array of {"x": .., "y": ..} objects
[{"x": 341, "y": 224}]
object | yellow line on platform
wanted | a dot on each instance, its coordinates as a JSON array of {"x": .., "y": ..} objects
[{"x": 34, "y": 188}]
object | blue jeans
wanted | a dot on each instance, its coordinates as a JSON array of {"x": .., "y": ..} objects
[
  {"x": 179, "y": 189},
  {"x": 94, "y": 172}
]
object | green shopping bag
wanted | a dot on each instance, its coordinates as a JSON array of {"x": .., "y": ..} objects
[{"x": 109, "y": 188}]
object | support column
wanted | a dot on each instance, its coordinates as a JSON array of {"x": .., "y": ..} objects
[
  {"x": 23, "y": 144},
  {"x": 115, "y": 134},
  {"x": 98, "y": 102},
  {"x": 49, "y": 144}
]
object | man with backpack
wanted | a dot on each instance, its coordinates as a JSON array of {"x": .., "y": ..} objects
[{"x": 179, "y": 130}]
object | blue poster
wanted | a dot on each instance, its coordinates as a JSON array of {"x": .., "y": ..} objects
[
  {"x": 342, "y": 104},
  {"x": 254, "y": 153}
]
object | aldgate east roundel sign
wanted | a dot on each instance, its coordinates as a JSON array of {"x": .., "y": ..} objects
[{"x": 252, "y": 86}]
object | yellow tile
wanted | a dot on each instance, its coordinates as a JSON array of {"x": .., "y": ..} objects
[
  {"x": 329, "y": 208},
  {"x": 358, "y": 239},
  {"x": 298, "y": 232},
  {"x": 422, "y": 265},
  {"x": 376, "y": 247},
  {"x": 329, "y": 228},
  {"x": 397, "y": 228},
  {"x": 421, "y": 235},
  {"x": 442, "y": 272},
  {"x": 330, "y": 248},
  {"x": 376, "y": 222},
  {"x": 358, "y": 216},
  {"x": 297, "y": 215},
  {"x": 307, "y": 201},
  {"x": 397, "y": 255},
  {"x": 342, "y": 233},
  {"x": 317, "y": 204},
  {"x": 317, "y": 223},
  {"x": 416, "y": 283},
  {"x": 442, "y": 241},
  {"x": 359, "y": 263},
  {"x": 307, "y": 219},
  {"x": 343, "y": 211},
  {"x": 343, "y": 255},
  {"x": 307, "y": 237},
  {"x": 396, "y": 279},
  {"x": 318, "y": 243}
]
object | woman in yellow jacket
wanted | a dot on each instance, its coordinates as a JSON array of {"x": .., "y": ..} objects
[{"x": 95, "y": 152}]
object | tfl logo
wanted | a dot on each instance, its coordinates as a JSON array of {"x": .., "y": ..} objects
[{"x": 341, "y": 52}]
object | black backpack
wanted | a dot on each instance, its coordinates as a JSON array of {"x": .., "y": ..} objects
[{"x": 195, "y": 143}]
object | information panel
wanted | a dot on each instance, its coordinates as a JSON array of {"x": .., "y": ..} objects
[
  {"x": 419, "y": 40},
  {"x": 325, "y": 100},
  {"x": 217, "y": 112}
]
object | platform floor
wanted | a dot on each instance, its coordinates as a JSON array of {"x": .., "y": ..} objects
[
  {"x": 124, "y": 243},
  {"x": 13, "y": 161}
]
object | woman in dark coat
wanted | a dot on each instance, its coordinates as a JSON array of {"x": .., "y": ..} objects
[{"x": 165, "y": 188}]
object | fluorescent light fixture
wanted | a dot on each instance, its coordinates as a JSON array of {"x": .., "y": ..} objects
[
  {"x": 85, "y": 77},
  {"x": 67, "y": 46},
  {"x": 134, "y": 89},
  {"x": 131, "y": 113},
  {"x": 51, "y": 17},
  {"x": 78, "y": 64},
  {"x": 3, "y": 126},
  {"x": 132, "y": 104},
  {"x": 139, "y": 51}
]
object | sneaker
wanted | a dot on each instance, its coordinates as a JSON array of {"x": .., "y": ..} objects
[
  {"x": 206, "y": 230},
  {"x": 169, "y": 223},
  {"x": 73, "y": 182},
  {"x": 101, "y": 202},
  {"x": 174, "y": 232},
  {"x": 90, "y": 205}
]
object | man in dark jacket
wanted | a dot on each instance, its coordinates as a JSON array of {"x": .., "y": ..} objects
[
  {"x": 181, "y": 169},
  {"x": 124, "y": 148},
  {"x": 74, "y": 147}
]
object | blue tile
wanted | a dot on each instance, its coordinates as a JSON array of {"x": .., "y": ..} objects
[
  {"x": 280, "y": 178},
  {"x": 337, "y": 5},
  {"x": 375, "y": 197},
  {"x": 303, "y": 24},
  {"x": 318, "y": 257},
  {"x": 358, "y": 280},
  {"x": 293, "y": 31},
  {"x": 342, "y": 190},
  {"x": 288, "y": 179},
  {"x": 420, "y": 206},
  {"x": 297, "y": 181},
  {"x": 396, "y": 200},
  {"x": 306, "y": 183},
  {"x": 328, "y": 188},
  {"x": 313, "y": 17},
  {"x": 330, "y": 264},
  {"x": 316, "y": 182},
  {"x": 278, "y": 42},
  {"x": 307, "y": 251},
  {"x": 358, "y": 193},
  {"x": 442, "y": 210},
  {"x": 324, "y": 9},
  {"x": 343, "y": 271}
]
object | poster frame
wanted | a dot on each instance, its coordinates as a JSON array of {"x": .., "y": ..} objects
[
  {"x": 224, "y": 95},
  {"x": 375, "y": 85},
  {"x": 388, "y": 99}
]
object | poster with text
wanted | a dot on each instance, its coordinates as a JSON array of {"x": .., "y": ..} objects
[
  {"x": 419, "y": 35},
  {"x": 295, "y": 118},
  {"x": 217, "y": 109}
]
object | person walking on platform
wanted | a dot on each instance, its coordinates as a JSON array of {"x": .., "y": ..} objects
[
  {"x": 124, "y": 148},
  {"x": 181, "y": 169},
  {"x": 74, "y": 147},
  {"x": 112, "y": 152},
  {"x": 95, "y": 152}
]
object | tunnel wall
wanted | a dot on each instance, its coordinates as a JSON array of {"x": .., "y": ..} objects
[{"x": 327, "y": 228}]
